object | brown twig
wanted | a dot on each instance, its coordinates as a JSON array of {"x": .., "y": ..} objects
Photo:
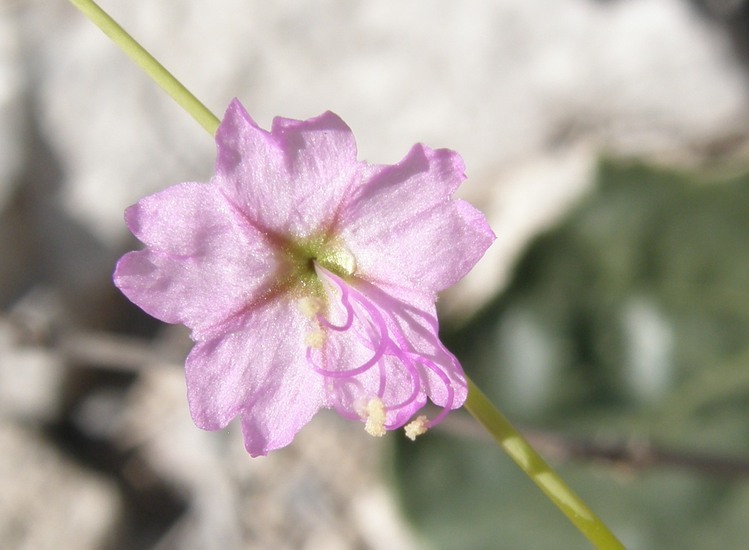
[
  {"x": 104, "y": 350},
  {"x": 630, "y": 455}
]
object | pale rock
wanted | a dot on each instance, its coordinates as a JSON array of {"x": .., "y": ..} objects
[
  {"x": 507, "y": 83},
  {"x": 30, "y": 379},
  {"x": 49, "y": 502},
  {"x": 12, "y": 128}
]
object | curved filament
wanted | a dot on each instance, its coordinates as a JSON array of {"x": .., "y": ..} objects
[
  {"x": 377, "y": 323},
  {"x": 450, "y": 392}
]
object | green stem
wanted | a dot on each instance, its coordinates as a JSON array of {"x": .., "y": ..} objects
[
  {"x": 477, "y": 403},
  {"x": 536, "y": 468},
  {"x": 148, "y": 63}
]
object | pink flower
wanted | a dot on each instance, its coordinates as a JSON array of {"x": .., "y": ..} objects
[{"x": 308, "y": 278}]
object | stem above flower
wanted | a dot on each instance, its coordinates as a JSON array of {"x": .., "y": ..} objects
[{"x": 176, "y": 90}]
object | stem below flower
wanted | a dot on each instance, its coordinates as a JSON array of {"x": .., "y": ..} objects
[
  {"x": 536, "y": 468},
  {"x": 184, "y": 98},
  {"x": 477, "y": 403}
]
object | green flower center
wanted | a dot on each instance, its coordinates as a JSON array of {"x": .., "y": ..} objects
[{"x": 300, "y": 262}]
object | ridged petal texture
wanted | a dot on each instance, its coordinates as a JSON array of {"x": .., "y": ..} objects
[{"x": 308, "y": 278}]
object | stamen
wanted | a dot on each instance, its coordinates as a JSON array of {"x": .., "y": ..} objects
[
  {"x": 315, "y": 339},
  {"x": 342, "y": 259},
  {"x": 310, "y": 306},
  {"x": 377, "y": 322},
  {"x": 413, "y": 373},
  {"x": 349, "y": 372},
  {"x": 371, "y": 323},
  {"x": 450, "y": 392},
  {"x": 346, "y": 304},
  {"x": 417, "y": 427},
  {"x": 375, "y": 418}
]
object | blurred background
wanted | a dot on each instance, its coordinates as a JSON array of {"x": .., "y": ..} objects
[{"x": 607, "y": 142}]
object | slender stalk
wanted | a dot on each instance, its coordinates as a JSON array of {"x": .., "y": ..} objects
[
  {"x": 184, "y": 98},
  {"x": 477, "y": 403},
  {"x": 538, "y": 470}
]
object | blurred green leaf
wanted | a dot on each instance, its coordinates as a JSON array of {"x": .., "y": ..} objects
[{"x": 629, "y": 320}]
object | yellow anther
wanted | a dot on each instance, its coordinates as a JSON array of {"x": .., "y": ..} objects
[
  {"x": 315, "y": 339},
  {"x": 417, "y": 427},
  {"x": 339, "y": 260},
  {"x": 375, "y": 417},
  {"x": 310, "y": 306}
]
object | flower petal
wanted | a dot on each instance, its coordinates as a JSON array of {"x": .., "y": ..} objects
[
  {"x": 257, "y": 371},
  {"x": 202, "y": 263},
  {"x": 404, "y": 227},
  {"x": 289, "y": 181}
]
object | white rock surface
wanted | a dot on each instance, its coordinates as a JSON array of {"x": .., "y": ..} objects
[
  {"x": 524, "y": 89},
  {"x": 47, "y": 501},
  {"x": 30, "y": 379},
  {"x": 12, "y": 142}
]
